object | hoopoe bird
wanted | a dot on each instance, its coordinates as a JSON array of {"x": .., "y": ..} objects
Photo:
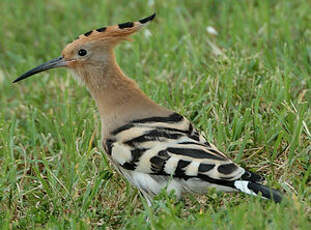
[{"x": 153, "y": 147}]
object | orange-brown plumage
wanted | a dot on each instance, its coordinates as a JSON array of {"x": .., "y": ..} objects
[{"x": 118, "y": 97}]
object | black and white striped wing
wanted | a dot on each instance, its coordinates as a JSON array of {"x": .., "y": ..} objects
[{"x": 170, "y": 146}]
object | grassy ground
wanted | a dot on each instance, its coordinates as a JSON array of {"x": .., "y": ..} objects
[{"x": 248, "y": 89}]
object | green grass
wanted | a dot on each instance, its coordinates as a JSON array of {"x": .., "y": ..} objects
[{"x": 253, "y": 100}]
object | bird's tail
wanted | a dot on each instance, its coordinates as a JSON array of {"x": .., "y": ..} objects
[{"x": 254, "y": 188}]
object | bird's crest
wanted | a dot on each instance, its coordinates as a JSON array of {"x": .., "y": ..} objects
[{"x": 116, "y": 32}]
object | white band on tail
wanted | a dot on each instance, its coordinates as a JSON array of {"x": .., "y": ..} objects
[{"x": 242, "y": 186}]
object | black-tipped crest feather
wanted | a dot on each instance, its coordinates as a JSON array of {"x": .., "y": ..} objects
[{"x": 147, "y": 19}]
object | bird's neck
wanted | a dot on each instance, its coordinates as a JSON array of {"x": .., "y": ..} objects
[{"x": 118, "y": 98}]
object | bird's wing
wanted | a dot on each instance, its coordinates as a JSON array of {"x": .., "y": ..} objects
[{"x": 169, "y": 146}]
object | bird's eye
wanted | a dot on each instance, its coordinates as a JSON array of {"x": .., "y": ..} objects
[{"x": 82, "y": 52}]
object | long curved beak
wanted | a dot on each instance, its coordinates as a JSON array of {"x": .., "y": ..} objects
[{"x": 54, "y": 63}]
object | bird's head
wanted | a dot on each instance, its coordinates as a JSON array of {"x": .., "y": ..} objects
[{"x": 92, "y": 49}]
